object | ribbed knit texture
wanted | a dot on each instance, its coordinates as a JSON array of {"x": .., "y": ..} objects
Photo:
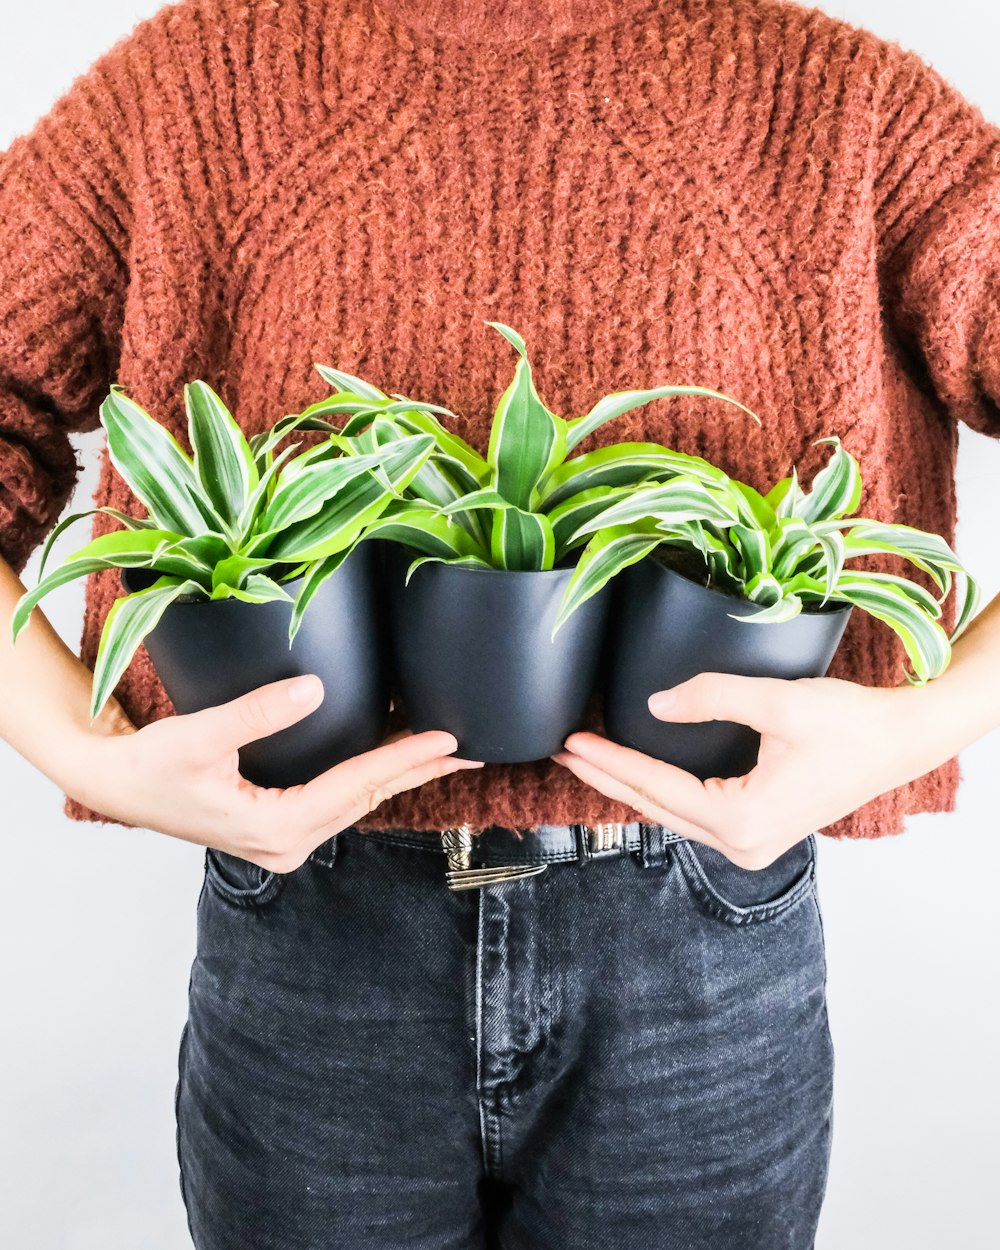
[{"x": 742, "y": 194}]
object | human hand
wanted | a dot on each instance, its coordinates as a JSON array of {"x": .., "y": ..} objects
[
  {"x": 827, "y": 747},
  {"x": 180, "y": 775}
]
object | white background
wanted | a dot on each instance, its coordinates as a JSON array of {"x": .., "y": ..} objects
[{"x": 97, "y": 922}]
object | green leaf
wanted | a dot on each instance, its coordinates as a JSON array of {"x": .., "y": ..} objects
[
  {"x": 259, "y": 588},
  {"x": 527, "y": 440},
  {"x": 342, "y": 517},
  {"x": 314, "y": 578},
  {"x": 623, "y": 464},
  {"x": 836, "y": 489},
  {"x": 926, "y": 643},
  {"x": 130, "y": 619},
  {"x": 607, "y": 553},
  {"x": 156, "y": 468},
  {"x": 130, "y": 522},
  {"x": 223, "y": 460},
  {"x": 522, "y": 541},
  {"x": 570, "y": 518},
  {"x": 262, "y": 493},
  {"x": 423, "y": 528},
  {"x": 468, "y": 562},
  {"x": 679, "y": 499},
  {"x": 620, "y": 402},
  {"x": 448, "y": 446}
]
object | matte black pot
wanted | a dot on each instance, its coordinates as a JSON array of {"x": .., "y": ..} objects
[
  {"x": 667, "y": 628},
  {"x": 207, "y": 652},
  {"x": 473, "y": 656}
]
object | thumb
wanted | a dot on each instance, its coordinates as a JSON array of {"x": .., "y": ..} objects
[
  {"x": 760, "y": 702},
  {"x": 257, "y": 713}
]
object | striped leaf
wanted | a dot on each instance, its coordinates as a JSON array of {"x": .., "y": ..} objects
[
  {"x": 302, "y": 491},
  {"x": 522, "y": 541},
  {"x": 925, "y": 550},
  {"x": 620, "y": 402},
  {"x": 465, "y": 562},
  {"x": 314, "y": 578},
  {"x": 450, "y": 449},
  {"x": 925, "y": 641},
  {"x": 259, "y": 588},
  {"x": 569, "y": 518},
  {"x": 674, "y": 501},
  {"x": 607, "y": 553},
  {"x": 423, "y": 528},
  {"x": 156, "y": 468},
  {"x": 784, "y": 608},
  {"x": 623, "y": 464},
  {"x": 119, "y": 549},
  {"x": 836, "y": 489},
  {"x": 797, "y": 538},
  {"x": 343, "y": 515},
  {"x": 130, "y": 522},
  {"x": 261, "y": 493},
  {"x": 130, "y": 619},
  {"x": 527, "y": 440},
  {"x": 223, "y": 460},
  {"x": 786, "y": 496},
  {"x": 754, "y": 549}
]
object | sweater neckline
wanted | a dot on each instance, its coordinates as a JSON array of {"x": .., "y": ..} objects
[{"x": 507, "y": 21}]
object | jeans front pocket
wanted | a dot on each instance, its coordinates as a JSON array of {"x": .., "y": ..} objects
[
  {"x": 738, "y": 895},
  {"x": 239, "y": 881}
]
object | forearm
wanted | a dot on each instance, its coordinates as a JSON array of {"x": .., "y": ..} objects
[
  {"x": 963, "y": 704},
  {"x": 44, "y": 709}
]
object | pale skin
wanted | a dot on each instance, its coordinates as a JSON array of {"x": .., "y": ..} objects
[
  {"x": 828, "y": 746},
  {"x": 179, "y": 775}
]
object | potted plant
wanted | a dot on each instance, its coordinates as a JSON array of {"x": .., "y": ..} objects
[
  {"x": 481, "y": 550},
  {"x": 236, "y": 543},
  {"x": 687, "y": 593}
]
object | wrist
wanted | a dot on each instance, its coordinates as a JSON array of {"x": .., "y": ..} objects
[{"x": 88, "y": 755}]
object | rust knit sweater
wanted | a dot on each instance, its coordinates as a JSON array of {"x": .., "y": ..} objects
[{"x": 744, "y": 194}]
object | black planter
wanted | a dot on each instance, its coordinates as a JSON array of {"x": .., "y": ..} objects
[
  {"x": 207, "y": 652},
  {"x": 474, "y": 656},
  {"x": 667, "y": 628}
]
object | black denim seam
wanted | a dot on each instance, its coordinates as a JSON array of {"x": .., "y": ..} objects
[
  {"x": 731, "y": 913},
  {"x": 270, "y": 886}
]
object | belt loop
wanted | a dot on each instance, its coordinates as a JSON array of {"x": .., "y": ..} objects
[
  {"x": 653, "y": 841},
  {"x": 326, "y": 853}
]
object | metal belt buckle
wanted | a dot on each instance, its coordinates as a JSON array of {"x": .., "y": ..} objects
[
  {"x": 461, "y": 875},
  {"x": 599, "y": 841}
]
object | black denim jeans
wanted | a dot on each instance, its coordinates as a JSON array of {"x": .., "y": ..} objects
[{"x": 630, "y": 1054}]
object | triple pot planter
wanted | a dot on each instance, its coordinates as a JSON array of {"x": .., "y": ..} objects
[
  {"x": 668, "y": 627},
  {"x": 473, "y": 655},
  {"x": 208, "y": 651}
]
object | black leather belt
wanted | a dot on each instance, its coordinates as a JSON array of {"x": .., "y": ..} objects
[{"x": 498, "y": 854}]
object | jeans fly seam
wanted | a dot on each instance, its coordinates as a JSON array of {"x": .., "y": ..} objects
[{"x": 489, "y": 1129}]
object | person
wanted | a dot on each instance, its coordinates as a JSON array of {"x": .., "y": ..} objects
[{"x": 632, "y": 1046}]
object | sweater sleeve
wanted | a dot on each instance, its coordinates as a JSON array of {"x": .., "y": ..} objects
[
  {"x": 937, "y": 209},
  {"x": 65, "y": 209}
]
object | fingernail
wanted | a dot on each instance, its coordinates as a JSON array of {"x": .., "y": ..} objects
[
  {"x": 661, "y": 701},
  {"x": 304, "y": 689}
]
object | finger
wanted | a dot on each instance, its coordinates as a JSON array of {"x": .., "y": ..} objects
[
  {"x": 763, "y": 703},
  {"x": 688, "y": 796},
  {"x": 219, "y": 730},
  {"x": 348, "y": 816},
  {"x": 411, "y": 780},
  {"x": 642, "y": 803},
  {"x": 366, "y": 779}
]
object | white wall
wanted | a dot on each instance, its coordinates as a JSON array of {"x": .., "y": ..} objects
[{"x": 96, "y": 925}]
